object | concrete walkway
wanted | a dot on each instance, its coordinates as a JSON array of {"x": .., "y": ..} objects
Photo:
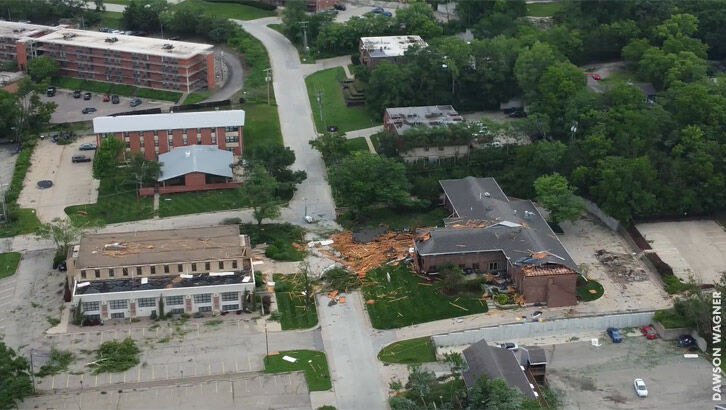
[
  {"x": 324, "y": 64},
  {"x": 365, "y": 133}
]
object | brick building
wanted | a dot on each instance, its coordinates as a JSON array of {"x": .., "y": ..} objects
[
  {"x": 193, "y": 168},
  {"x": 134, "y": 60},
  {"x": 507, "y": 237},
  {"x": 124, "y": 275},
  {"x": 398, "y": 120},
  {"x": 373, "y": 50},
  {"x": 155, "y": 134}
]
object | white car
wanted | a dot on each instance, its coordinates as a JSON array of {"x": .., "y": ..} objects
[
  {"x": 509, "y": 346},
  {"x": 640, "y": 388}
]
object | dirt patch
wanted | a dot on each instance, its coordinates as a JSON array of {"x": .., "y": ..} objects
[{"x": 622, "y": 267}]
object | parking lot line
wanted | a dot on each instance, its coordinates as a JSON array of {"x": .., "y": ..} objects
[
  {"x": 166, "y": 366},
  {"x": 6, "y": 303},
  {"x": 95, "y": 383},
  {"x": 216, "y": 387},
  {"x": 247, "y": 389},
  {"x": 236, "y": 366},
  {"x": 52, "y": 383}
]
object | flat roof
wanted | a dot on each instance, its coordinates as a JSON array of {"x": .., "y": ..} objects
[
  {"x": 130, "y": 44},
  {"x": 163, "y": 282},
  {"x": 404, "y": 118},
  {"x": 159, "y": 247},
  {"x": 195, "y": 158},
  {"x": 18, "y": 30},
  {"x": 391, "y": 46},
  {"x": 170, "y": 121}
]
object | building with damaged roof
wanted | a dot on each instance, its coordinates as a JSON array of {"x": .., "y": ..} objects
[{"x": 489, "y": 232}]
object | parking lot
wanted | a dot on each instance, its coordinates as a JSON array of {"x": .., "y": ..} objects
[
  {"x": 602, "y": 377},
  {"x": 73, "y": 183},
  {"x": 69, "y": 108},
  {"x": 690, "y": 247}
]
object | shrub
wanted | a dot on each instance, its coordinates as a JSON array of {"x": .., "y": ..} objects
[
  {"x": 502, "y": 299},
  {"x": 670, "y": 319},
  {"x": 275, "y": 315},
  {"x": 258, "y": 280},
  {"x": 674, "y": 285},
  {"x": 283, "y": 251}
]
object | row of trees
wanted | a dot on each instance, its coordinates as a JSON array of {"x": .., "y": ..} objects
[{"x": 50, "y": 11}]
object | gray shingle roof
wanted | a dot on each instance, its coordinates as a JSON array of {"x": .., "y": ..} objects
[
  {"x": 195, "y": 158},
  {"x": 495, "y": 363}
]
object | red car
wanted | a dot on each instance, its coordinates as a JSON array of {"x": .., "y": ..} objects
[
  {"x": 596, "y": 77},
  {"x": 106, "y": 98},
  {"x": 648, "y": 332}
]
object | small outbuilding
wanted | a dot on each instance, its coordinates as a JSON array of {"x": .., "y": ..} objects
[{"x": 195, "y": 168}]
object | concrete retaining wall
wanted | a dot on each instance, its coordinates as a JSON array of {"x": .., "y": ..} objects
[
  {"x": 546, "y": 328},
  {"x": 670, "y": 334},
  {"x": 606, "y": 219}
]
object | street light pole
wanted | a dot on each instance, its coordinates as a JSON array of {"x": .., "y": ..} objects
[
  {"x": 319, "y": 97},
  {"x": 268, "y": 80},
  {"x": 304, "y": 25}
]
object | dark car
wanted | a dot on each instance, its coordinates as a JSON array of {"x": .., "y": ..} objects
[
  {"x": 77, "y": 94},
  {"x": 86, "y": 96},
  {"x": 62, "y": 266},
  {"x": 80, "y": 158},
  {"x": 686, "y": 341},
  {"x": 87, "y": 147},
  {"x": 388, "y": 14},
  {"x": 91, "y": 321},
  {"x": 517, "y": 114},
  {"x": 114, "y": 99},
  {"x": 88, "y": 110},
  {"x": 50, "y": 91},
  {"x": 614, "y": 335},
  {"x": 377, "y": 10},
  {"x": 339, "y": 6},
  {"x": 135, "y": 102}
]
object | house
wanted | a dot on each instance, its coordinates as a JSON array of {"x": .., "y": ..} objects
[
  {"x": 489, "y": 232},
  {"x": 480, "y": 359},
  {"x": 373, "y": 50},
  {"x": 140, "y": 61},
  {"x": 155, "y": 134},
  {"x": 648, "y": 91},
  {"x": 399, "y": 121},
  {"x": 124, "y": 275},
  {"x": 193, "y": 168}
]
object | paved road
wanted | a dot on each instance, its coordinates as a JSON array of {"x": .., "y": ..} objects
[{"x": 235, "y": 80}]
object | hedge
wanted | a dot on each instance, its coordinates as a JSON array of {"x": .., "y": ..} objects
[{"x": 252, "y": 3}]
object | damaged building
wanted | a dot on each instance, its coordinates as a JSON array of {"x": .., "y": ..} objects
[
  {"x": 491, "y": 233},
  {"x": 125, "y": 275}
]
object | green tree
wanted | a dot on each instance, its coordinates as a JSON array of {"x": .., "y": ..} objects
[
  {"x": 259, "y": 189},
  {"x": 390, "y": 85},
  {"x": 32, "y": 115},
  {"x": 420, "y": 382},
  {"x": 144, "y": 14},
  {"x": 419, "y": 19},
  {"x": 62, "y": 232},
  {"x": 494, "y": 394},
  {"x": 624, "y": 187},
  {"x": 556, "y": 194},
  {"x": 277, "y": 159},
  {"x": 108, "y": 156},
  {"x": 531, "y": 65},
  {"x": 42, "y": 68},
  {"x": 559, "y": 83},
  {"x": 333, "y": 147},
  {"x": 143, "y": 171},
  {"x": 15, "y": 377}
]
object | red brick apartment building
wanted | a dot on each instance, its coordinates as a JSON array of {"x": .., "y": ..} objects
[
  {"x": 139, "y": 61},
  {"x": 155, "y": 134}
]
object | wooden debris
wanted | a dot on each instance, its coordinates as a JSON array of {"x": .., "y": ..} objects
[
  {"x": 460, "y": 307},
  {"x": 370, "y": 302},
  {"x": 361, "y": 257},
  {"x": 341, "y": 299}
]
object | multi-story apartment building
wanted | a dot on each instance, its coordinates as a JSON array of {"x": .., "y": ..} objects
[
  {"x": 398, "y": 120},
  {"x": 134, "y": 60},
  {"x": 125, "y": 275},
  {"x": 155, "y": 134},
  {"x": 373, "y": 50}
]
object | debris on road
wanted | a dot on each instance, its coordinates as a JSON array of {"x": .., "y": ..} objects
[{"x": 289, "y": 359}]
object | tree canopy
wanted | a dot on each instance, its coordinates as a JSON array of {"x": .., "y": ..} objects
[
  {"x": 15, "y": 377},
  {"x": 556, "y": 194}
]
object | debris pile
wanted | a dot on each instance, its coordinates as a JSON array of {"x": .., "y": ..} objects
[
  {"x": 621, "y": 265},
  {"x": 390, "y": 247}
]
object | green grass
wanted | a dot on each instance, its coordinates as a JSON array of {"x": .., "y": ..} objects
[
  {"x": 412, "y": 351},
  {"x": 670, "y": 319},
  {"x": 357, "y": 144},
  {"x": 311, "y": 362},
  {"x": 125, "y": 90},
  {"x": 197, "y": 202},
  {"x": 674, "y": 285},
  {"x": 20, "y": 220},
  {"x": 117, "y": 202},
  {"x": 583, "y": 292},
  {"x": 408, "y": 300},
  {"x": 153, "y": 94},
  {"x": 268, "y": 233},
  {"x": 234, "y": 11},
  {"x": 111, "y": 19},
  {"x": 335, "y": 111},
  {"x": 543, "y": 9},
  {"x": 262, "y": 126},
  {"x": 124, "y": 2},
  {"x": 396, "y": 218},
  {"x": 376, "y": 142},
  {"x": 25, "y": 222},
  {"x": 9, "y": 263},
  {"x": 197, "y": 96},
  {"x": 291, "y": 303}
]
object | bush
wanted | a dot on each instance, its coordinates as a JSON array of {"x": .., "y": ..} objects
[
  {"x": 674, "y": 285},
  {"x": 283, "y": 251},
  {"x": 275, "y": 315},
  {"x": 502, "y": 299},
  {"x": 670, "y": 319},
  {"x": 252, "y": 3},
  {"x": 258, "y": 280}
]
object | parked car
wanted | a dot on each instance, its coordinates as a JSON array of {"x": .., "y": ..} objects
[
  {"x": 114, "y": 99},
  {"x": 517, "y": 114},
  {"x": 88, "y": 110},
  {"x": 640, "y": 389},
  {"x": 339, "y": 6},
  {"x": 106, "y": 98},
  {"x": 62, "y": 266},
  {"x": 80, "y": 158},
  {"x": 537, "y": 314},
  {"x": 648, "y": 332},
  {"x": 388, "y": 14},
  {"x": 77, "y": 94},
  {"x": 174, "y": 38},
  {"x": 135, "y": 102},
  {"x": 87, "y": 147},
  {"x": 596, "y": 77},
  {"x": 86, "y": 96},
  {"x": 104, "y": 30},
  {"x": 614, "y": 335},
  {"x": 686, "y": 341},
  {"x": 377, "y": 10},
  {"x": 509, "y": 346},
  {"x": 50, "y": 91}
]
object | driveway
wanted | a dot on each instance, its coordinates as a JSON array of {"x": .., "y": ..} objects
[
  {"x": 296, "y": 122},
  {"x": 73, "y": 183}
]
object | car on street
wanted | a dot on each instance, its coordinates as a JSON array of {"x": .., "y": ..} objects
[
  {"x": 339, "y": 6},
  {"x": 640, "y": 389},
  {"x": 87, "y": 147},
  {"x": 517, "y": 114},
  {"x": 106, "y": 98},
  {"x": 135, "y": 102},
  {"x": 115, "y": 99},
  {"x": 50, "y": 91},
  {"x": 686, "y": 341},
  {"x": 614, "y": 335},
  {"x": 596, "y": 77},
  {"x": 77, "y": 94},
  {"x": 80, "y": 158},
  {"x": 509, "y": 346},
  {"x": 88, "y": 110},
  {"x": 377, "y": 10},
  {"x": 62, "y": 266},
  {"x": 648, "y": 332},
  {"x": 86, "y": 96}
]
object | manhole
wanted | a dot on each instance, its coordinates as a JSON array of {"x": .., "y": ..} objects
[{"x": 45, "y": 184}]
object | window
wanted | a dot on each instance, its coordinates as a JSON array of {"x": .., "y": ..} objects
[
  {"x": 174, "y": 300},
  {"x": 110, "y": 272},
  {"x": 153, "y": 269},
  {"x": 475, "y": 266},
  {"x": 203, "y": 298},
  {"x": 146, "y": 302},
  {"x": 138, "y": 270},
  {"x": 214, "y": 139},
  {"x": 205, "y": 308},
  {"x": 119, "y": 315},
  {"x": 166, "y": 268},
  {"x": 194, "y": 267},
  {"x": 230, "y": 307},
  {"x": 220, "y": 264},
  {"x": 177, "y": 311},
  {"x": 180, "y": 267},
  {"x": 230, "y": 296},
  {"x": 234, "y": 264},
  {"x": 118, "y": 304},
  {"x": 207, "y": 265},
  {"x": 184, "y": 140},
  {"x": 125, "y": 271},
  {"x": 89, "y": 306},
  {"x": 83, "y": 274},
  {"x": 97, "y": 273},
  {"x": 493, "y": 265}
]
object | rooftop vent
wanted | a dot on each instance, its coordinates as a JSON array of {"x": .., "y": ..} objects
[
  {"x": 111, "y": 40},
  {"x": 167, "y": 46},
  {"x": 68, "y": 36}
]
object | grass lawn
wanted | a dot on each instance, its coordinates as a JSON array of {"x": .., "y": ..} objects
[
  {"x": 111, "y": 19},
  {"x": 291, "y": 303},
  {"x": 262, "y": 126},
  {"x": 543, "y": 9},
  {"x": 163, "y": 95},
  {"x": 411, "y": 351},
  {"x": 279, "y": 238},
  {"x": 197, "y": 96},
  {"x": 233, "y": 10},
  {"x": 125, "y": 90},
  {"x": 197, "y": 202},
  {"x": 335, "y": 111},
  {"x": 583, "y": 292},
  {"x": 670, "y": 319},
  {"x": 396, "y": 218},
  {"x": 26, "y": 222},
  {"x": 376, "y": 142},
  {"x": 8, "y": 263},
  {"x": 117, "y": 202},
  {"x": 311, "y": 362},
  {"x": 408, "y": 300},
  {"x": 357, "y": 144}
]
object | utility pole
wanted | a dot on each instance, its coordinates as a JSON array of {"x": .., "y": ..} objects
[
  {"x": 304, "y": 25},
  {"x": 268, "y": 80},
  {"x": 319, "y": 97}
]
